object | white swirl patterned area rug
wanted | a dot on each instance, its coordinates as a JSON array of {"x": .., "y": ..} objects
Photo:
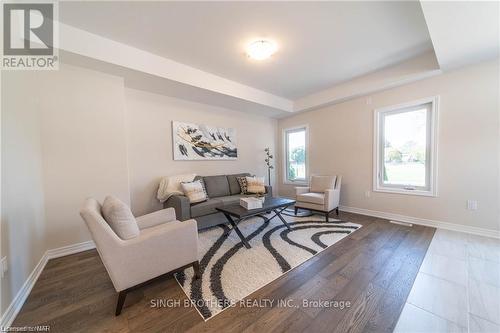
[{"x": 230, "y": 272}]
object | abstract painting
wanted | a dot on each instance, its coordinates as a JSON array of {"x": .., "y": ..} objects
[{"x": 203, "y": 142}]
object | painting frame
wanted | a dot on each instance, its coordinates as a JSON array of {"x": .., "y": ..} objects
[{"x": 201, "y": 142}]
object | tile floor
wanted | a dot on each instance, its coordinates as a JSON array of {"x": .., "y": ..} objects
[{"x": 457, "y": 288}]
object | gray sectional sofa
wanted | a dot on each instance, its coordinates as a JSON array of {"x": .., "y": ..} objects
[{"x": 222, "y": 190}]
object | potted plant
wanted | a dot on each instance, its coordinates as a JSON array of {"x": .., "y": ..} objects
[{"x": 268, "y": 161}]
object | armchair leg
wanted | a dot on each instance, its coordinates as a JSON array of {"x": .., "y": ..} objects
[
  {"x": 121, "y": 300},
  {"x": 196, "y": 267},
  {"x": 296, "y": 210},
  {"x": 337, "y": 211},
  {"x": 326, "y": 216}
]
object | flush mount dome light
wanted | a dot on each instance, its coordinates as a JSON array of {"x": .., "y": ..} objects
[{"x": 261, "y": 49}]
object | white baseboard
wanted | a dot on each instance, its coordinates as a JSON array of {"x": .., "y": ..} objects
[
  {"x": 425, "y": 222},
  {"x": 23, "y": 293},
  {"x": 70, "y": 249},
  {"x": 21, "y": 296}
]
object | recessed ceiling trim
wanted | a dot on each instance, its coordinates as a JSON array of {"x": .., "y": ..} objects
[
  {"x": 321, "y": 44},
  {"x": 415, "y": 69},
  {"x": 91, "y": 45}
]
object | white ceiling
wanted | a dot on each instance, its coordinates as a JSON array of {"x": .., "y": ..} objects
[
  {"x": 463, "y": 32},
  {"x": 321, "y": 43}
]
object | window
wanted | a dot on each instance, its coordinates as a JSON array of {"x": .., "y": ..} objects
[
  {"x": 405, "y": 148},
  {"x": 295, "y": 155}
]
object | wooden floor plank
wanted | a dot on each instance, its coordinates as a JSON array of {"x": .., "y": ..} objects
[
  {"x": 329, "y": 318},
  {"x": 362, "y": 309},
  {"x": 373, "y": 269}
]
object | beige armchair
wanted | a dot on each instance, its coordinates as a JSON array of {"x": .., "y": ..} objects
[
  {"x": 322, "y": 195},
  {"x": 162, "y": 246}
]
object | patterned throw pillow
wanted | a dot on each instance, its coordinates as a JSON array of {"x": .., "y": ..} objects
[
  {"x": 255, "y": 185},
  {"x": 243, "y": 184},
  {"x": 195, "y": 191}
]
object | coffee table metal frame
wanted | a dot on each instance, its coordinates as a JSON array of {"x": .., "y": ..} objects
[{"x": 229, "y": 213}]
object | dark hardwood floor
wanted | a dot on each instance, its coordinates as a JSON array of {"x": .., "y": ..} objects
[{"x": 373, "y": 268}]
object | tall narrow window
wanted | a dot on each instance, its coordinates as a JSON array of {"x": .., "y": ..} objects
[
  {"x": 295, "y": 155},
  {"x": 405, "y": 148}
]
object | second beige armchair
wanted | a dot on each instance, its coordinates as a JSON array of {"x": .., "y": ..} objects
[{"x": 322, "y": 195}]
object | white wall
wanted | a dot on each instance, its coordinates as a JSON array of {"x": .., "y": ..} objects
[
  {"x": 341, "y": 142},
  {"x": 150, "y": 154},
  {"x": 23, "y": 215},
  {"x": 84, "y": 153},
  {"x": 63, "y": 139}
]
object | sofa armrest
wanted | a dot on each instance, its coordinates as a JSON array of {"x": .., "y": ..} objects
[
  {"x": 155, "y": 218},
  {"x": 269, "y": 190},
  {"x": 332, "y": 199},
  {"x": 301, "y": 190},
  {"x": 156, "y": 251},
  {"x": 338, "y": 183},
  {"x": 181, "y": 205}
]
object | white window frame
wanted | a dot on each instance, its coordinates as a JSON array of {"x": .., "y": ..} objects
[
  {"x": 285, "y": 156},
  {"x": 432, "y": 149}
]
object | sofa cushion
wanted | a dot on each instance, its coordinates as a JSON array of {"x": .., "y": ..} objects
[
  {"x": 315, "y": 198},
  {"x": 206, "y": 207},
  {"x": 234, "y": 186},
  {"x": 217, "y": 186},
  {"x": 320, "y": 184},
  {"x": 120, "y": 218}
]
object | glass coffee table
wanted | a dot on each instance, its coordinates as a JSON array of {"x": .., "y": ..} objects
[{"x": 235, "y": 213}]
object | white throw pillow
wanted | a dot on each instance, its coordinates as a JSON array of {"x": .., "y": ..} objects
[
  {"x": 120, "y": 218},
  {"x": 255, "y": 185},
  {"x": 195, "y": 191}
]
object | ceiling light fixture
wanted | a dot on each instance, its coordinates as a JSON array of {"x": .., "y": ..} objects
[{"x": 261, "y": 49}]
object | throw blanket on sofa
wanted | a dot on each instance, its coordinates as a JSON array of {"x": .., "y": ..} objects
[{"x": 171, "y": 185}]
